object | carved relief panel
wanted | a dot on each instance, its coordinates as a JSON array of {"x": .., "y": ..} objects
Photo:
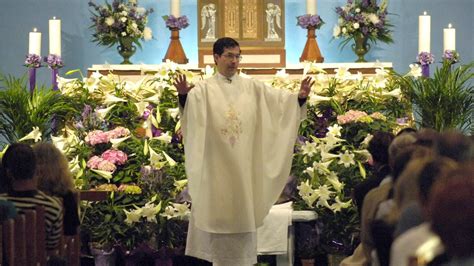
[{"x": 258, "y": 25}]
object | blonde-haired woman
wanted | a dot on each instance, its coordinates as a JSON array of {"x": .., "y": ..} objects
[{"x": 55, "y": 178}]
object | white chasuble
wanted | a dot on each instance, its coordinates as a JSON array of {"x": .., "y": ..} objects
[{"x": 238, "y": 137}]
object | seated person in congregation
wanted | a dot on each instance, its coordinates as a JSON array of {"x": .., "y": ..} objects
[{"x": 19, "y": 164}]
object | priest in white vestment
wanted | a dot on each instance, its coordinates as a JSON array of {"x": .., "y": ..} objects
[{"x": 238, "y": 137}]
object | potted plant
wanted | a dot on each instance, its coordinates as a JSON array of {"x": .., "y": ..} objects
[{"x": 444, "y": 101}]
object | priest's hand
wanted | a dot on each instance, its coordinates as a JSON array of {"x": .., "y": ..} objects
[
  {"x": 182, "y": 85},
  {"x": 305, "y": 87}
]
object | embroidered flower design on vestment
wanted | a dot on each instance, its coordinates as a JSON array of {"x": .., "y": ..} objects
[{"x": 233, "y": 127}]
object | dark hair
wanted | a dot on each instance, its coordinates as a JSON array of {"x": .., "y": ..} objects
[
  {"x": 378, "y": 146},
  {"x": 455, "y": 145},
  {"x": 427, "y": 137},
  {"x": 19, "y": 161},
  {"x": 432, "y": 171},
  {"x": 223, "y": 43},
  {"x": 452, "y": 211}
]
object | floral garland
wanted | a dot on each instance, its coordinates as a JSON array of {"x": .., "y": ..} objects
[
  {"x": 173, "y": 22},
  {"x": 309, "y": 21},
  {"x": 33, "y": 61}
]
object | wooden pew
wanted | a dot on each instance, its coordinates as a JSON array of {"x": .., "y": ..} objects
[{"x": 23, "y": 240}]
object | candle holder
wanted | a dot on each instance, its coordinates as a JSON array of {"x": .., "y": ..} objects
[
  {"x": 54, "y": 63},
  {"x": 33, "y": 61},
  {"x": 175, "y": 50},
  {"x": 425, "y": 59},
  {"x": 311, "y": 50}
]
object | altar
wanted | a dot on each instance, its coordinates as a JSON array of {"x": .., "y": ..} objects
[{"x": 135, "y": 72}]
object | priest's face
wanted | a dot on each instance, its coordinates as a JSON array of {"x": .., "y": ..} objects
[{"x": 228, "y": 62}]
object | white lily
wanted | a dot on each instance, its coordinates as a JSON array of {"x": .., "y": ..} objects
[
  {"x": 415, "y": 70},
  {"x": 141, "y": 107},
  {"x": 155, "y": 159},
  {"x": 150, "y": 210},
  {"x": 173, "y": 112},
  {"x": 116, "y": 142},
  {"x": 153, "y": 99},
  {"x": 333, "y": 179},
  {"x": 347, "y": 159},
  {"x": 339, "y": 205},
  {"x": 170, "y": 160},
  {"x": 105, "y": 174},
  {"x": 335, "y": 130},
  {"x": 180, "y": 184},
  {"x": 35, "y": 135},
  {"x": 165, "y": 137},
  {"x": 324, "y": 194},
  {"x": 102, "y": 113},
  {"x": 132, "y": 216},
  {"x": 111, "y": 99}
]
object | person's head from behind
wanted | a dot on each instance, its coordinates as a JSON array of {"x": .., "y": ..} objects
[
  {"x": 399, "y": 144},
  {"x": 433, "y": 170},
  {"x": 455, "y": 145},
  {"x": 452, "y": 211},
  {"x": 427, "y": 137},
  {"x": 378, "y": 146},
  {"x": 227, "y": 56},
  {"x": 19, "y": 162},
  {"x": 52, "y": 170}
]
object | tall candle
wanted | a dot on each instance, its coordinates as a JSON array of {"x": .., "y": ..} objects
[
  {"x": 175, "y": 8},
  {"x": 34, "y": 42},
  {"x": 55, "y": 36},
  {"x": 449, "y": 38},
  {"x": 311, "y": 7},
  {"x": 424, "y": 33}
]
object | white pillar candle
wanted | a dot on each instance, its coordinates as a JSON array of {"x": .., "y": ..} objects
[
  {"x": 55, "y": 36},
  {"x": 311, "y": 7},
  {"x": 175, "y": 8},
  {"x": 424, "y": 33},
  {"x": 449, "y": 38},
  {"x": 34, "y": 42}
]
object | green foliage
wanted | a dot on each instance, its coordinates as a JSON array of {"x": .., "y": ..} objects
[
  {"x": 20, "y": 111},
  {"x": 444, "y": 101}
]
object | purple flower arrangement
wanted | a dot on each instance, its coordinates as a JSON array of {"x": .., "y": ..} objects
[
  {"x": 451, "y": 56},
  {"x": 54, "y": 61},
  {"x": 33, "y": 61},
  {"x": 425, "y": 58},
  {"x": 309, "y": 21},
  {"x": 364, "y": 17},
  {"x": 121, "y": 19},
  {"x": 173, "y": 22}
]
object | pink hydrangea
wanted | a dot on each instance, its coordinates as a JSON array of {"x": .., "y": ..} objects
[
  {"x": 97, "y": 137},
  {"x": 105, "y": 165},
  {"x": 94, "y": 161},
  {"x": 116, "y": 157},
  {"x": 98, "y": 163},
  {"x": 118, "y": 132},
  {"x": 350, "y": 116}
]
